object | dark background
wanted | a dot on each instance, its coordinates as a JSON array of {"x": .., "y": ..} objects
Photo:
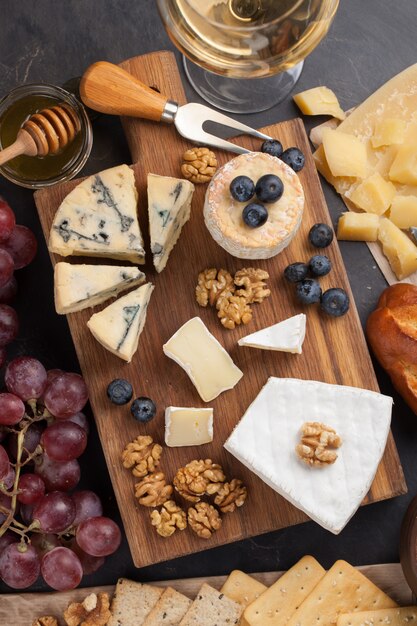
[{"x": 55, "y": 40}]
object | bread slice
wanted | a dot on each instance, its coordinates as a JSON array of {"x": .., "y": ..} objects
[
  {"x": 132, "y": 602},
  {"x": 169, "y": 610},
  {"x": 212, "y": 607}
]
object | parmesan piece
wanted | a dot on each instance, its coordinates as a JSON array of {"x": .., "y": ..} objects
[
  {"x": 403, "y": 211},
  {"x": 345, "y": 154},
  {"x": 358, "y": 227},
  {"x": 398, "y": 248},
  {"x": 374, "y": 194},
  {"x": 319, "y": 101}
]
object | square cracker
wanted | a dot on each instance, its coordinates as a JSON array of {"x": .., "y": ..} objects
[
  {"x": 212, "y": 607},
  {"x": 242, "y": 588},
  {"x": 278, "y": 603},
  {"x": 169, "y": 610},
  {"x": 386, "y": 617},
  {"x": 342, "y": 590},
  {"x": 132, "y": 602}
]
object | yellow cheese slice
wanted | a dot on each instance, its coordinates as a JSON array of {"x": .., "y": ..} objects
[
  {"x": 403, "y": 211},
  {"x": 358, "y": 227},
  {"x": 398, "y": 248},
  {"x": 319, "y": 101},
  {"x": 345, "y": 154}
]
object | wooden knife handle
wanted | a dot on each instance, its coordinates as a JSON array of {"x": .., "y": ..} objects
[{"x": 107, "y": 88}]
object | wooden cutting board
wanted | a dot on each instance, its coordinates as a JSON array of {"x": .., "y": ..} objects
[
  {"x": 334, "y": 350},
  {"x": 22, "y": 609}
]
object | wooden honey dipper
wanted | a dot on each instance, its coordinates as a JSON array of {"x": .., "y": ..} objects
[{"x": 44, "y": 133}]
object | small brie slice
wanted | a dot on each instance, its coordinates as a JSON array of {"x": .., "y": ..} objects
[
  {"x": 188, "y": 426},
  {"x": 286, "y": 336}
]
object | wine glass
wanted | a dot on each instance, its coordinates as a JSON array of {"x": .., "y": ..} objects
[{"x": 244, "y": 56}]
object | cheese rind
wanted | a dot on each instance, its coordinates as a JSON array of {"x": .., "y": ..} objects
[
  {"x": 403, "y": 212},
  {"x": 319, "y": 101},
  {"x": 78, "y": 287},
  {"x": 358, "y": 227},
  {"x": 286, "y": 336},
  {"x": 169, "y": 208},
  {"x": 206, "y": 362},
  {"x": 99, "y": 218},
  {"x": 188, "y": 426},
  {"x": 398, "y": 248},
  {"x": 345, "y": 154},
  {"x": 374, "y": 194}
]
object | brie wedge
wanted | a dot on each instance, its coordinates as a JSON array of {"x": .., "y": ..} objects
[
  {"x": 286, "y": 336},
  {"x": 265, "y": 439},
  {"x": 78, "y": 287},
  {"x": 118, "y": 326}
]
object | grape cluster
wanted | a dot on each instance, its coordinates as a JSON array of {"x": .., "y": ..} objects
[
  {"x": 17, "y": 249},
  {"x": 44, "y": 529}
]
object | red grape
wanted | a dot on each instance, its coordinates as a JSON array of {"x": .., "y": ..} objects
[
  {"x": 9, "y": 324},
  {"x": 7, "y": 539},
  {"x": 61, "y": 569},
  {"x": 58, "y": 476},
  {"x": 98, "y": 536},
  {"x": 64, "y": 441},
  {"x": 80, "y": 419},
  {"x": 6, "y": 503},
  {"x": 8, "y": 291},
  {"x": 66, "y": 395},
  {"x": 25, "y": 377},
  {"x": 26, "y": 513},
  {"x": 6, "y": 267},
  {"x": 4, "y": 463},
  {"x": 19, "y": 565},
  {"x": 44, "y": 543},
  {"x": 12, "y": 409},
  {"x": 87, "y": 504},
  {"x": 32, "y": 488},
  {"x": 21, "y": 245},
  {"x": 8, "y": 481},
  {"x": 7, "y": 220},
  {"x": 55, "y": 512},
  {"x": 90, "y": 564},
  {"x": 31, "y": 440},
  {"x": 52, "y": 374}
]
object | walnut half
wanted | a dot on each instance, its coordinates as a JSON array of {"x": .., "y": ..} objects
[
  {"x": 168, "y": 519},
  {"x": 230, "y": 495},
  {"x": 251, "y": 284},
  {"x": 199, "y": 165},
  {"x": 213, "y": 284},
  {"x": 153, "y": 490},
  {"x": 46, "y": 620},
  {"x": 92, "y": 611},
  {"x": 198, "y": 478},
  {"x": 204, "y": 519},
  {"x": 317, "y": 439},
  {"x": 233, "y": 310},
  {"x": 143, "y": 455}
]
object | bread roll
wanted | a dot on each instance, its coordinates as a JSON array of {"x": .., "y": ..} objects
[{"x": 392, "y": 334}]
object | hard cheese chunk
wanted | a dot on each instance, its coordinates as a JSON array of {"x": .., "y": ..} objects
[
  {"x": 78, "y": 287},
  {"x": 345, "y": 154},
  {"x": 276, "y": 606},
  {"x": 398, "y": 248},
  {"x": 358, "y": 227},
  {"x": 118, "y": 326},
  {"x": 286, "y": 336},
  {"x": 319, "y": 101},
  {"x": 169, "y": 207},
  {"x": 188, "y": 426},
  {"x": 403, "y": 211},
  {"x": 404, "y": 167},
  {"x": 242, "y": 588},
  {"x": 272, "y": 423},
  {"x": 390, "y": 617},
  {"x": 374, "y": 194},
  {"x": 99, "y": 218},
  {"x": 388, "y": 130},
  {"x": 206, "y": 362}
]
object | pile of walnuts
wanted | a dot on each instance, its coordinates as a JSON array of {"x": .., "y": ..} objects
[
  {"x": 198, "y": 479},
  {"x": 232, "y": 296}
]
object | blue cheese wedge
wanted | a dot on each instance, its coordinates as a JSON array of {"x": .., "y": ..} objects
[
  {"x": 188, "y": 426},
  {"x": 78, "y": 287},
  {"x": 118, "y": 326},
  {"x": 286, "y": 336},
  {"x": 99, "y": 218},
  {"x": 329, "y": 495},
  {"x": 169, "y": 207}
]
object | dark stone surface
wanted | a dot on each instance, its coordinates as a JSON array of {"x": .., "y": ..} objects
[{"x": 52, "y": 41}]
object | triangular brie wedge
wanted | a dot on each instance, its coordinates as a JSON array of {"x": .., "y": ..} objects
[
  {"x": 169, "y": 207},
  {"x": 99, "y": 218},
  {"x": 286, "y": 336},
  {"x": 78, "y": 287},
  {"x": 265, "y": 439},
  {"x": 118, "y": 326}
]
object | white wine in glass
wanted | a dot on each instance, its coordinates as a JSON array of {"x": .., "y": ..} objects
[{"x": 245, "y": 55}]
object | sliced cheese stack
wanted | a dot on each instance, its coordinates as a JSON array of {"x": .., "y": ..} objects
[{"x": 286, "y": 336}]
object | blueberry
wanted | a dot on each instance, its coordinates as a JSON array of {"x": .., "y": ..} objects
[
  {"x": 308, "y": 291},
  {"x": 335, "y": 302},
  {"x": 242, "y": 188},
  {"x": 320, "y": 265},
  {"x": 254, "y": 215},
  {"x": 320, "y": 235},
  {"x": 120, "y": 391},
  {"x": 296, "y": 272},
  {"x": 294, "y": 158},
  {"x": 143, "y": 409},
  {"x": 272, "y": 147},
  {"x": 269, "y": 188}
]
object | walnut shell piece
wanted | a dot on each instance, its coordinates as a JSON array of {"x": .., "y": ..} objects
[
  {"x": 251, "y": 284},
  {"x": 153, "y": 490},
  {"x": 204, "y": 519},
  {"x": 92, "y": 611},
  {"x": 198, "y": 478},
  {"x": 143, "y": 455},
  {"x": 212, "y": 284},
  {"x": 317, "y": 445},
  {"x": 170, "y": 518},
  {"x": 233, "y": 310},
  {"x": 231, "y": 495},
  {"x": 46, "y": 620},
  {"x": 199, "y": 165}
]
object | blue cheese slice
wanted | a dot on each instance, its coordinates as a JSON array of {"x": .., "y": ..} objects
[
  {"x": 169, "y": 207},
  {"x": 99, "y": 218},
  {"x": 329, "y": 495},
  {"x": 286, "y": 336},
  {"x": 78, "y": 287},
  {"x": 118, "y": 326}
]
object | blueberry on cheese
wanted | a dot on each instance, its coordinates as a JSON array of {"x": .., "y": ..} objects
[
  {"x": 99, "y": 218},
  {"x": 169, "y": 206},
  {"x": 78, "y": 287},
  {"x": 118, "y": 326}
]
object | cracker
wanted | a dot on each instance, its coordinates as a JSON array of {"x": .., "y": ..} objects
[
  {"x": 242, "y": 588},
  {"x": 132, "y": 602},
  {"x": 278, "y": 603},
  {"x": 169, "y": 610},
  {"x": 342, "y": 590},
  {"x": 386, "y": 617},
  {"x": 212, "y": 607}
]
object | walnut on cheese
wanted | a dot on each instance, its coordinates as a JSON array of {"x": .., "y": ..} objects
[
  {"x": 143, "y": 455},
  {"x": 168, "y": 519},
  {"x": 92, "y": 611},
  {"x": 199, "y": 478},
  {"x": 153, "y": 490},
  {"x": 316, "y": 439},
  {"x": 204, "y": 519},
  {"x": 199, "y": 165}
]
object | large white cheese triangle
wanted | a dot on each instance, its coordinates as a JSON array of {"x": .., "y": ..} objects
[
  {"x": 118, "y": 326},
  {"x": 78, "y": 287},
  {"x": 265, "y": 438},
  {"x": 169, "y": 207},
  {"x": 286, "y": 336},
  {"x": 99, "y": 218}
]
